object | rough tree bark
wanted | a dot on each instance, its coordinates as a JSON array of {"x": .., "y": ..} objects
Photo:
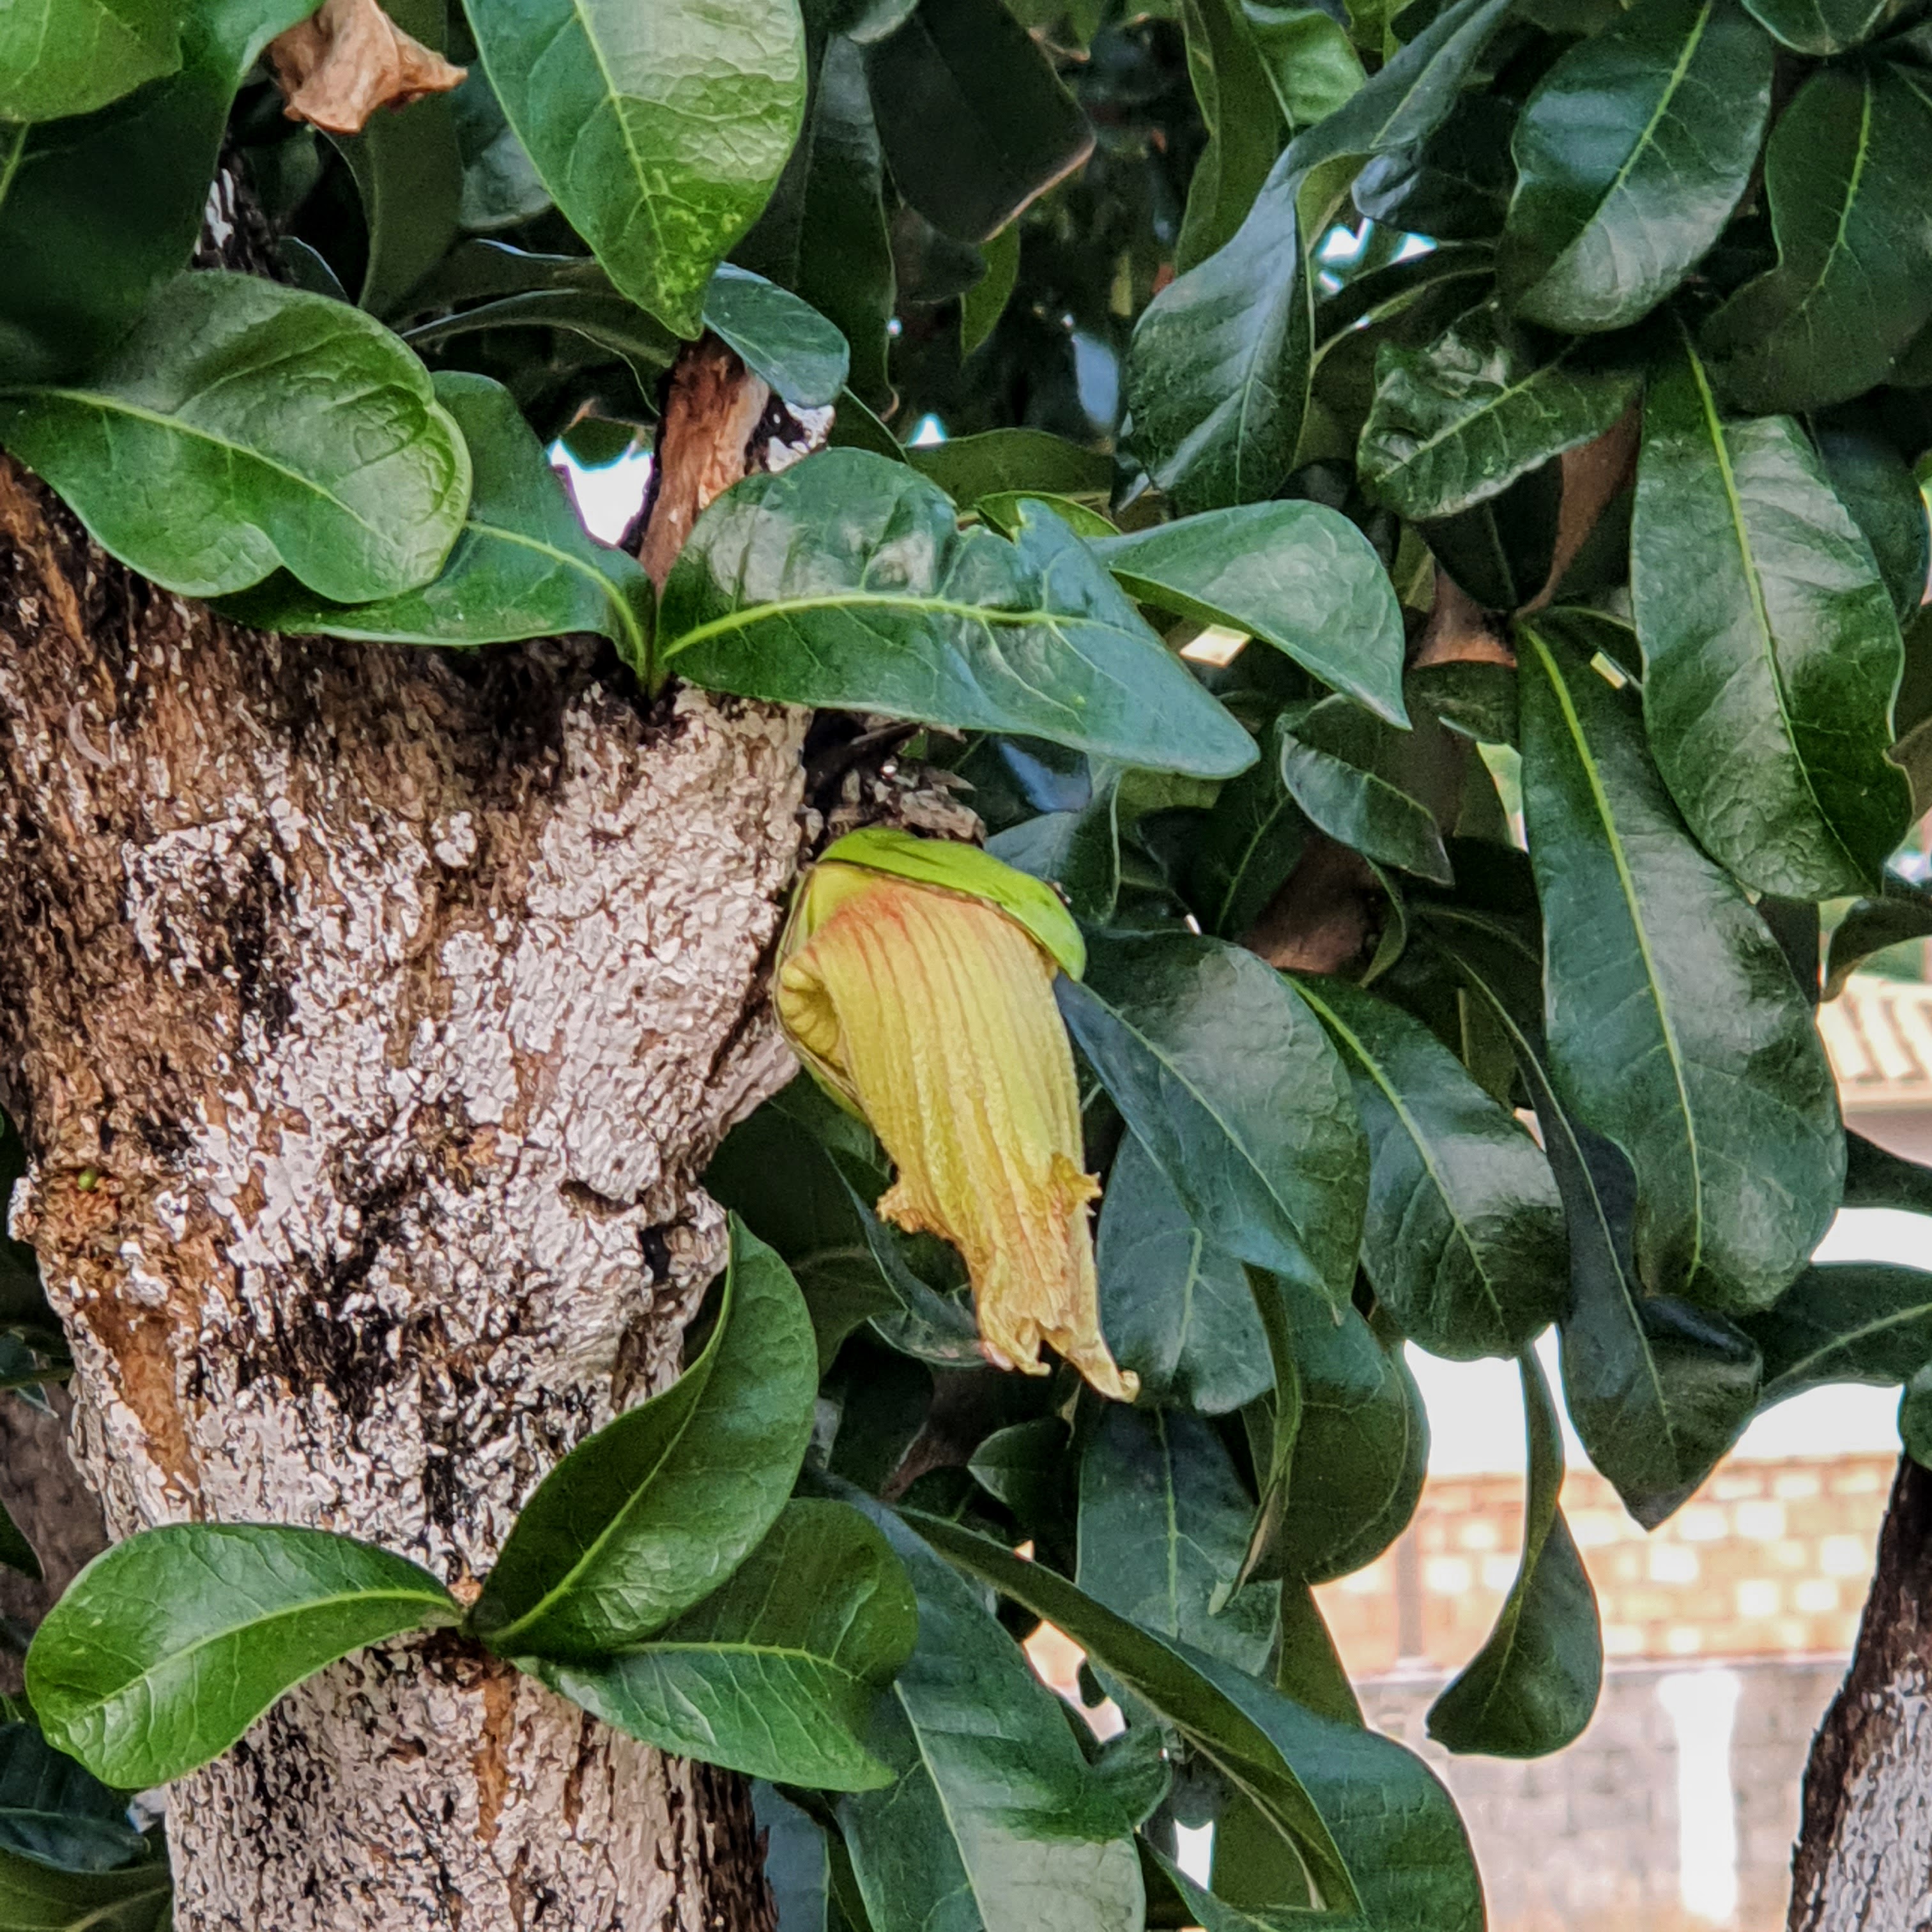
[
  {"x": 1864, "y": 1860},
  {"x": 369, "y": 1015}
]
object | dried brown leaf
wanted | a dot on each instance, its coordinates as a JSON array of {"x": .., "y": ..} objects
[{"x": 349, "y": 59}]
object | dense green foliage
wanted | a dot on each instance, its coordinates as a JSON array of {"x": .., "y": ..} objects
[{"x": 1332, "y": 329}]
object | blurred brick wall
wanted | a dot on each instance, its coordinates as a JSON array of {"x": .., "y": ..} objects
[{"x": 1767, "y": 1559}]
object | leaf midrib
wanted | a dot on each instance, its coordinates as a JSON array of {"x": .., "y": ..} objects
[
  {"x": 1627, "y": 886},
  {"x": 1801, "y": 1365}
]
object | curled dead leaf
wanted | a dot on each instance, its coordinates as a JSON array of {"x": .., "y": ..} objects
[{"x": 347, "y": 59}]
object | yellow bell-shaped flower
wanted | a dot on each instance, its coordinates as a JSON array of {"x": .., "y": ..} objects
[{"x": 915, "y": 981}]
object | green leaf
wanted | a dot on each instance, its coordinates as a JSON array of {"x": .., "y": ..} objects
[
  {"x": 243, "y": 425},
  {"x": 1875, "y": 483},
  {"x": 1485, "y": 403},
  {"x": 824, "y": 234},
  {"x": 58, "y": 1814},
  {"x": 774, "y": 1675},
  {"x": 64, "y": 57},
  {"x": 1230, "y": 1085},
  {"x": 16, "y": 1551},
  {"x": 1464, "y": 1240},
  {"x": 133, "y": 179},
  {"x": 654, "y": 1511},
  {"x": 1842, "y": 174},
  {"x": 982, "y": 306},
  {"x": 500, "y": 187},
  {"x": 523, "y": 567},
  {"x": 1915, "y": 1419},
  {"x": 1216, "y": 1915},
  {"x": 875, "y": 600},
  {"x": 1676, "y": 1027},
  {"x": 973, "y": 120},
  {"x": 1298, "y": 576},
  {"x": 1217, "y": 373},
  {"x": 995, "y": 1811},
  {"x": 1454, "y": 186},
  {"x": 1631, "y": 154},
  {"x": 1658, "y": 1390},
  {"x": 1876, "y": 1178},
  {"x": 1238, "y": 109},
  {"x": 1175, "y": 1311},
  {"x": 1412, "y": 93},
  {"x": 1307, "y": 56},
  {"x": 600, "y": 316},
  {"x": 1026, "y": 1467},
  {"x": 165, "y": 1648},
  {"x": 1351, "y": 1447},
  {"x": 1532, "y": 1687},
  {"x": 408, "y": 168},
  {"x": 1236, "y": 855},
  {"x": 999, "y": 461},
  {"x": 34, "y": 1898},
  {"x": 1902, "y": 912},
  {"x": 780, "y": 338},
  {"x": 1163, "y": 1523},
  {"x": 1077, "y": 853},
  {"x": 1342, "y": 767},
  {"x": 1321, "y": 1784},
  {"x": 1820, "y": 27},
  {"x": 660, "y": 133},
  {"x": 1770, "y": 652},
  {"x": 1846, "y": 1321}
]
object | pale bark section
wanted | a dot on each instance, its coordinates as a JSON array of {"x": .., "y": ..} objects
[
  {"x": 371, "y": 1012},
  {"x": 1863, "y": 1861}
]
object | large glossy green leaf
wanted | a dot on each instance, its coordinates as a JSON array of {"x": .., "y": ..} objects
[
  {"x": 1309, "y": 59},
  {"x": 779, "y": 337},
  {"x": 1077, "y": 853},
  {"x": 1454, "y": 186},
  {"x": 1842, "y": 174},
  {"x": 1237, "y": 105},
  {"x": 824, "y": 234},
  {"x": 133, "y": 179},
  {"x": 1174, "y": 1310},
  {"x": 167, "y": 1648},
  {"x": 1822, "y": 26},
  {"x": 1532, "y": 1687},
  {"x": 1487, "y": 401},
  {"x": 64, "y": 57},
  {"x": 1297, "y": 575},
  {"x": 1464, "y": 1240},
  {"x": 34, "y": 1898},
  {"x": 774, "y": 1675},
  {"x": 1631, "y": 155},
  {"x": 1876, "y": 1178},
  {"x": 244, "y": 425},
  {"x": 1846, "y": 1321},
  {"x": 1658, "y": 1390},
  {"x": 660, "y": 131},
  {"x": 1344, "y": 769},
  {"x": 1230, "y": 1085},
  {"x": 1902, "y": 912},
  {"x": 57, "y": 1812},
  {"x": 1217, "y": 374},
  {"x": 653, "y": 1512},
  {"x": 1351, "y": 1447},
  {"x": 1770, "y": 652},
  {"x": 500, "y": 187},
  {"x": 1402, "y": 1861},
  {"x": 1163, "y": 1524},
  {"x": 974, "y": 121},
  {"x": 997, "y": 1824},
  {"x": 999, "y": 461},
  {"x": 523, "y": 566},
  {"x": 1412, "y": 93},
  {"x": 845, "y": 581},
  {"x": 1676, "y": 1027}
]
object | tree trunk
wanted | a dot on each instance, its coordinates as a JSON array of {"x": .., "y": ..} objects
[
  {"x": 369, "y": 1014},
  {"x": 1863, "y": 1861}
]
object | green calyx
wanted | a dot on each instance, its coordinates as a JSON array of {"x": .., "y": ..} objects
[{"x": 965, "y": 869}]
